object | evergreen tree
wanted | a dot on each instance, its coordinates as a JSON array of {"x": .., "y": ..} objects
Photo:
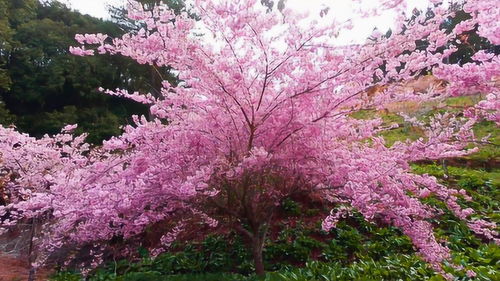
[{"x": 43, "y": 87}]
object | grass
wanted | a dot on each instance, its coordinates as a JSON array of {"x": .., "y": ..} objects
[{"x": 488, "y": 153}]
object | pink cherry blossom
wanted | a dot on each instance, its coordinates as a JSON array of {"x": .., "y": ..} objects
[{"x": 263, "y": 112}]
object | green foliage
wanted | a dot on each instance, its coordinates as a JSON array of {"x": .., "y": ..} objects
[
  {"x": 364, "y": 114},
  {"x": 469, "y": 179},
  {"x": 488, "y": 153},
  {"x": 6, "y": 117},
  {"x": 484, "y": 261},
  {"x": 291, "y": 246},
  {"x": 404, "y": 132},
  {"x": 66, "y": 276},
  {"x": 44, "y": 87},
  {"x": 291, "y": 207},
  {"x": 12, "y": 14},
  {"x": 214, "y": 254}
]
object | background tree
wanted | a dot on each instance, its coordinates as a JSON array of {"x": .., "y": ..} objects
[
  {"x": 12, "y": 14},
  {"x": 45, "y": 87}
]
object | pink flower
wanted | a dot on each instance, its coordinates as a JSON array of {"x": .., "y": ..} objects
[
  {"x": 471, "y": 273},
  {"x": 263, "y": 112}
]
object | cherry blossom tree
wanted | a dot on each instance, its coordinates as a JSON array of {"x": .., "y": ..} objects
[
  {"x": 28, "y": 169},
  {"x": 263, "y": 112}
]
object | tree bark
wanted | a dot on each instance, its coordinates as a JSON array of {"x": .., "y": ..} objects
[
  {"x": 257, "y": 249},
  {"x": 32, "y": 272},
  {"x": 445, "y": 168}
]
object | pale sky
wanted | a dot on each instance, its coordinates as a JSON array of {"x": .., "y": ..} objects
[
  {"x": 96, "y": 8},
  {"x": 340, "y": 9}
]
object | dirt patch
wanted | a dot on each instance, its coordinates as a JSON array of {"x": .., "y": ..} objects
[{"x": 14, "y": 269}]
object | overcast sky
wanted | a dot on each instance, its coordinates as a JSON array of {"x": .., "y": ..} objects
[{"x": 341, "y": 9}]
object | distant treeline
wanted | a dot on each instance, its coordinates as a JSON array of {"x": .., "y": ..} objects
[{"x": 43, "y": 87}]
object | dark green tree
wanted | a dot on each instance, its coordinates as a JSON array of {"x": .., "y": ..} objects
[{"x": 43, "y": 87}]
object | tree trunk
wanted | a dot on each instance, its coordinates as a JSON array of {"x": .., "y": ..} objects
[
  {"x": 445, "y": 168},
  {"x": 32, "y": 272},
  {"x": 257, "y": 248},
  {"x": 156, "y": 85}
]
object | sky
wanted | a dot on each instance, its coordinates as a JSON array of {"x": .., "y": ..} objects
[
  {"x": 96, "y": 8},
  {"x": 341, "y": 9}
]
